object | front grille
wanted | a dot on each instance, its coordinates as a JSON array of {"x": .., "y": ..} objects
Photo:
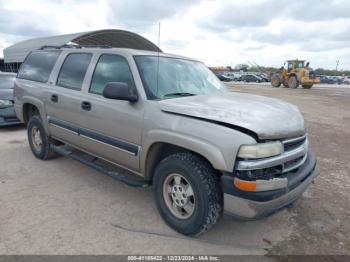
[
  {"x": 290, "y": 165},
  {"x": 260, "y": 174},
  {"x": 294, "y": 155},
  {"x": 293, "y": 143}
]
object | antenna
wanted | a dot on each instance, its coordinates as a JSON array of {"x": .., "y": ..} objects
[{"x": 158, "y": 58}]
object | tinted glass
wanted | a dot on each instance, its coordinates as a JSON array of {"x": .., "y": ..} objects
[
  {"x": 73, "y": 71},
  {"x": 7, "y": 82},
  {"x": 38, "y": 66},
  {"x": 300, "y": 64},
  {"x": 110, "y": 68}
]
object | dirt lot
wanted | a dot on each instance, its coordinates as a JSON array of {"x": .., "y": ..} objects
[{"x": 63, "y": 207}]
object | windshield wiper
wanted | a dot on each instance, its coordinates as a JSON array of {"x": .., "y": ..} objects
[{"x": 179, "y": 94}]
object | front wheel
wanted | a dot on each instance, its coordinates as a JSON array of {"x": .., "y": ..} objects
[
  {"x": 293, "y": 82},
  {"x": 39, "y": 142},
  {"x": 188, "y": 193}
]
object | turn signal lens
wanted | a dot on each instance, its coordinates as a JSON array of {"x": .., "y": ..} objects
[
  {"x": 245, "y": 185},
  {"x": 260, "y": 185}
]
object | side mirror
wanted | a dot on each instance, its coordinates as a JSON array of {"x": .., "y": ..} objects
[{"x": 119, "y": 91}]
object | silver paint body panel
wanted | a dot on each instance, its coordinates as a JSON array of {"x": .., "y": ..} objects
[{"x": 147, "y": 122}]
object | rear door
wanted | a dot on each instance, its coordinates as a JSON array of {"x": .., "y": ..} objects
[{"x": 65, "y": 97}]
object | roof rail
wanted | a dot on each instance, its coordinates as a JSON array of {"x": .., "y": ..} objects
[
  {"x": 73, "y": 46},
  {"x": 59, "y": 46},
  {"x": 96, "y": 46}
]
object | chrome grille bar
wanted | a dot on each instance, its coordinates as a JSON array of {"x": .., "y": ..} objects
[{"x": 299, "y": 152}]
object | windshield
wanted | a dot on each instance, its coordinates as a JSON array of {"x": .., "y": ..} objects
[
  {"x": 7, "y": 82},
  {"x": 176, "y": 78}
]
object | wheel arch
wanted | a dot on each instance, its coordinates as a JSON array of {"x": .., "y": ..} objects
[
  {"x": 30, "y": 107},
  {"x": 158, "y": 150}
]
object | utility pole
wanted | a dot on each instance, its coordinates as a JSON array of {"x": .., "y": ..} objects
[{"x": 336, "y": 65}]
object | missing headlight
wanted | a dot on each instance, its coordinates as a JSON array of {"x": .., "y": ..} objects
[{"x": 260, "y": 174}]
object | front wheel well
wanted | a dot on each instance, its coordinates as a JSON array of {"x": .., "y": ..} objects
[{"x": 160, "y": 150}]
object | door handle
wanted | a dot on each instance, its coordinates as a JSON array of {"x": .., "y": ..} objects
[
  {"x": 54, "y": 98},
  {"x": 86, "y": 105}
]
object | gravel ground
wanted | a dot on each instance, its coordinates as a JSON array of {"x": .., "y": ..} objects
[
  {"x": 62, "y": 207},
  {"x": 321, "y": 219}
]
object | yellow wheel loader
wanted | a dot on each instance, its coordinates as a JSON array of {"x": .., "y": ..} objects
[{"x": 297, "y": 73}]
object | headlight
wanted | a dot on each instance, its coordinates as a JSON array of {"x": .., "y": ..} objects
[
  {"x": 5, "y": 103},
  {"x": 261, "y": 150}
]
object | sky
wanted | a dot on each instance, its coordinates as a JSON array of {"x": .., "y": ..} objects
[{"x": 217, "y": 32}]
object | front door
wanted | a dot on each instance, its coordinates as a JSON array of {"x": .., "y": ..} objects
[{"x": 108, "y": 128}]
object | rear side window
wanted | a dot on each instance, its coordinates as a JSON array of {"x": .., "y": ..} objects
[
  {"x": 38, "y": 66},
  {"x": 110, "y": 68},
  {"x": 73, "y": 71}
]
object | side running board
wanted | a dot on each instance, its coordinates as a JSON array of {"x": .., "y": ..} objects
[{"x": 68, "y": 152}]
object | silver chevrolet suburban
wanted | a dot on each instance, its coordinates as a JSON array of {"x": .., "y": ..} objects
[{"x": 168, "y": 122}]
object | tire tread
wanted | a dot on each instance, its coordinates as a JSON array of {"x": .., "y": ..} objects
[{"x": 211, "y": 184}]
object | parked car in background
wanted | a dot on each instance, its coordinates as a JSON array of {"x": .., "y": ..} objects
[
  {"x": 234, "y": 76},
  {"x": 327, "y": 80},
  {"x": 252, "y": 78},
  {"x": 263, "y": 77},
  {"x": 224, "y": 78},
  {"x": 7, "y": 111},
  {"x": 336, "y": 79},
  {"x": 346, "y": 80},
  {"x": 238, "y": 78}
]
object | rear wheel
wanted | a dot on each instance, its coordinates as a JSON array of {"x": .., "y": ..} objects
[
  {"x": 188, "y": 193},
  {"x": 306, "y": 86},
  {"x": 293, "y": 82},
  {"x": 39, "y": 142}
]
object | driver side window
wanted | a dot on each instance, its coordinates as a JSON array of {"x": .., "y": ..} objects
[{"x": 110, "y": 68}]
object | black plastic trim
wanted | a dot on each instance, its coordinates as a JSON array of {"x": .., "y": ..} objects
[
  {"x": 122, "y": 178},
  {"x": 63, "y": 124},
  {"x": 110, "y": 141},
  {"x": 134, "y": 149}
]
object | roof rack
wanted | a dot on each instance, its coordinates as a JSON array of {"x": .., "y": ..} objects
[
  {"x": 96, "y": 46},
  {"x": 73, "y": 46},
  {"x": 59, "y": 46}
]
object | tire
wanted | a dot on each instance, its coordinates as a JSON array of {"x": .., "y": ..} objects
[
  {"x": 39, "y": 142},
  {"x": 293, "y": 82},
  {"x": 206, "y": 201},
  {"x": 306, "y": 86},
  {"x": 276, "y": 80}
]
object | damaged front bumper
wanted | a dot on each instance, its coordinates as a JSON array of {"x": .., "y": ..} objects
[{"x": 254, "y": 205}]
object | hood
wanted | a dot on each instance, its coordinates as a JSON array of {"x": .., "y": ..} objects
[
  {"x": 268, "y": 118},
  {"x": 6, "y": 94}
]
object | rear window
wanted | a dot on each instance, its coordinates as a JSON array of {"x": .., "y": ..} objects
[
  {"x": 73, "y": 71},
  {"x": 7, "y": 82},
  {"x": 38, "y": 66}
]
